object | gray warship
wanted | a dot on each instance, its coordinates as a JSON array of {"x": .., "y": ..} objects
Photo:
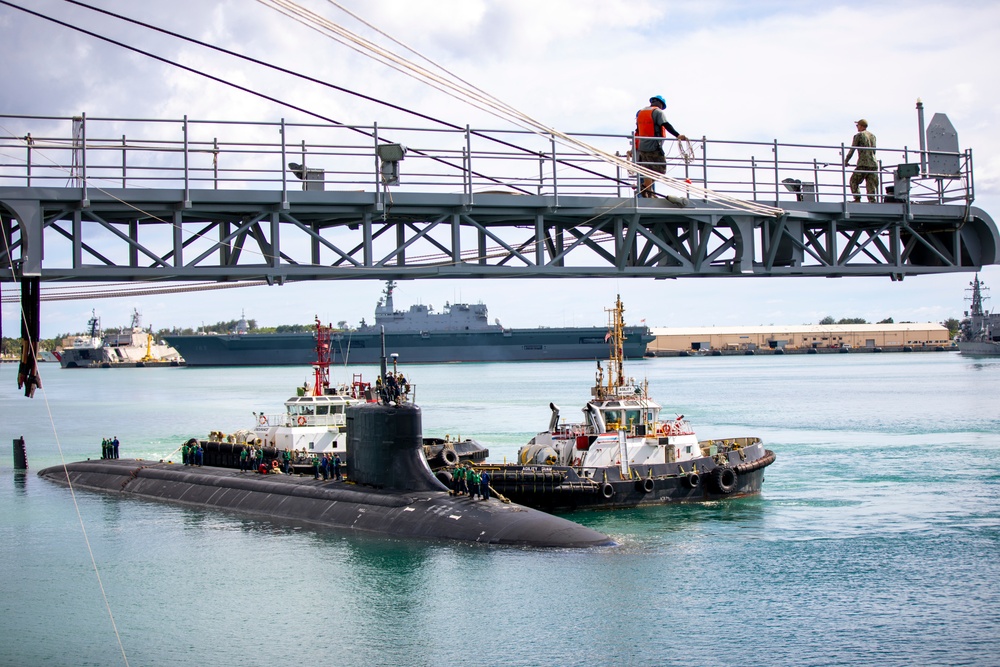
[
  {"x": 979, "y": 332},
  {"x": 117, "y": 349},
  {"x": 460, "y": 333}
]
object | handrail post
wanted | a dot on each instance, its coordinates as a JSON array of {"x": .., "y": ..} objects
[
  {"x": 971, "y": 187},
  {"x": 284, "y": 171},
  {"x": 541, "y": 172},
  {"x": 28, "y": 142},
  {"x": 85, "y": 202},
  {"x": 187, "y": 176},
  {"x": 843, "y": 172},
  {"x": 704, "y": 167},
  {"x": 215, "y": 162},
  {"x": 638, "y": 177},
  {"x": 468, "y": 164},
  {"x": 555, "y": 182},
  {"x": 775, "y": 172},
  {"x": 816, "y": 179},
  {"x": 379, "y": 204},
  {"x": 753, "y": 175}
]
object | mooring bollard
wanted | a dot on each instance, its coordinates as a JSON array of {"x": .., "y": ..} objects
[{"x": 20, "y": 455}]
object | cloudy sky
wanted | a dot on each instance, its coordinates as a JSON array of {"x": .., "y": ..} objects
[{"x": 799, "y": 72}]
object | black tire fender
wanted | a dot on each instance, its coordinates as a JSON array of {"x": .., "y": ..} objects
[
  {"x": 692, "y": 480},
  {"x": 607, "y": 490},
  {"x": 449, "y": 456},
  {"x": 644, "y": 485},
  {"x": 725, "y": 479}
]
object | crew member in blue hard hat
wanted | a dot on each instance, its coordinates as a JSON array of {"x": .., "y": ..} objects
[{"x": 652, "y": 122}]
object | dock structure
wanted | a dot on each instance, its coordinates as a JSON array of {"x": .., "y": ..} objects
[{"x": 109, "y": 199}]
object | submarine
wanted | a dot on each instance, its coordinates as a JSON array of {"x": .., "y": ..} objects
[{"x": 392, "y": 490}]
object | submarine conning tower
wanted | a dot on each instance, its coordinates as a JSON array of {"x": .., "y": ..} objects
[{"x": 385, "y": 447}]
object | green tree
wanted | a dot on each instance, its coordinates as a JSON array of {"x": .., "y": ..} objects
[
  {"x": 852, "y": 320},
  {"x": 887, "y": 320},
  {"x": 952, "y": 325},
  {"x": 828, "y": 320}
]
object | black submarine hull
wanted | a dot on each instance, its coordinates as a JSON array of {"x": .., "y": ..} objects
[
  {"x": 337, "y": 505},
  {"x": 394, "y": 492}
]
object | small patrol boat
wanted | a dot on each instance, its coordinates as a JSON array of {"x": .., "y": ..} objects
[{"x": 625, "y": 453}]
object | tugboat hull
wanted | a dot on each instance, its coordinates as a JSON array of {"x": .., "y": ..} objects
[{"x": 563, "y": 488}]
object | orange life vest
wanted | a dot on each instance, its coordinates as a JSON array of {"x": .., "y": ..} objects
[{"x": 645, "y": 126}]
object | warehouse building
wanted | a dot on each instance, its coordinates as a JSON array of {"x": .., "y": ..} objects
[{"x": 799, "y": 337}]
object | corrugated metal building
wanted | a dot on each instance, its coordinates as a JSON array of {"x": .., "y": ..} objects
[{"x": 799, "y": 336}]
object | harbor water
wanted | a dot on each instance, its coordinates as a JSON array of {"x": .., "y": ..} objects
[{"x": 876, "y": 539}]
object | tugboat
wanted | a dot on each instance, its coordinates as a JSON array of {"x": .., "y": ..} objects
[
  {"x": 314, "y": 422},
  {"x": 979, "y": 334},
  {"x": 624, "y": 454}
]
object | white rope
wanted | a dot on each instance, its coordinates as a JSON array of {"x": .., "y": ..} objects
[{"x": 454, "y": 86}]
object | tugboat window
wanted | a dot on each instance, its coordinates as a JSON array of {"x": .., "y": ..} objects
[{"x": 321, "y": 409}]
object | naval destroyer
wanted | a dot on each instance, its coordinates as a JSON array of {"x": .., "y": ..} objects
[
  {"x": 979, "y": 335},
  {"x": 461, "y": 332}
]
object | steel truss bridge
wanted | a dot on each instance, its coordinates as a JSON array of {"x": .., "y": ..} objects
[{"x": 85, "y": 199}]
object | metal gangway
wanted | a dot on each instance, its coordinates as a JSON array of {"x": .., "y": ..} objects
[{"x": 97, "y": 199}]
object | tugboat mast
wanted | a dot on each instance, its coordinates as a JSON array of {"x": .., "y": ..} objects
[
  {"x": 616, "y": 359},
  {"x": 322, "y": 364}
]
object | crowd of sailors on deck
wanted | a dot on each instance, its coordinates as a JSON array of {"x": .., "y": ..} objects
[
  {"x": 467, "y": 481},
  {"x": 392, "y": 388},
  {"x": 109, "y": 448}
]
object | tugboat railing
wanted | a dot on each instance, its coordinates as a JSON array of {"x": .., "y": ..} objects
[{"x": 144, "y": 153}]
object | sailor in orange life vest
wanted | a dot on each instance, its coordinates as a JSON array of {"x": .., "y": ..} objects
[{"x": 652, "y": 122}]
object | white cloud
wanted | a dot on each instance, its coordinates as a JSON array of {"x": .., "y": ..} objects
[{"x": 798, "y": 72}]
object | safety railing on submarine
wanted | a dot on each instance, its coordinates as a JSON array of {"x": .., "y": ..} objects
[{"x": 97, "y": 153}]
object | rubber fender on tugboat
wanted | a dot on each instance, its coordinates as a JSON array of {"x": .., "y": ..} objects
[
  {"x": 607, "y": 490},
  {"x": 444, "y": 477},
  {"x": 644, "y": 485},
  {"x": 762, "y": 462},
  {"x": 692, "y": 479},
  {"x": 449, "y": 456},
  {"x": 725, "y": 479}
]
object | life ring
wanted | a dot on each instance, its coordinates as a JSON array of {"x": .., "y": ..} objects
[
  {"x": 301, "y": 420},
  {"x": 607, "y": 490},
  {"x": 725, "y": 479},
  {"x": 263, "y": 420},
  {"x": 576, "y": 461}
]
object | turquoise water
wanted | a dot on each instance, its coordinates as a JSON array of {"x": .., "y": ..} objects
[{"x": 876, "y": 540}]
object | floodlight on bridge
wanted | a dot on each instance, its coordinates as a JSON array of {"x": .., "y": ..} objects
[
  {"x": 391, "y": 155},
  {"x": 312, "y": 179}
]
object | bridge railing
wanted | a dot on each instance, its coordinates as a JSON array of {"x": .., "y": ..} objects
[{"x": 97, "y": 153}]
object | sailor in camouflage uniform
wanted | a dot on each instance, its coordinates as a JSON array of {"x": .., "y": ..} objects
[{"x": 867, "y": 168}]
